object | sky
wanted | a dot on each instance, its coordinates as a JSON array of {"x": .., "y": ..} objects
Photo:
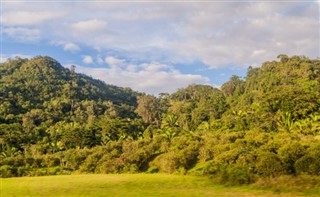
[{"x": 160, "y": 46}]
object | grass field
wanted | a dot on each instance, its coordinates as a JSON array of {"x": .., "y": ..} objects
[{"x": 123, "y": 185}]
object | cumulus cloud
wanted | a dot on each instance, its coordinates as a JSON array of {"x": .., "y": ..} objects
[
  {"x": 71, "y": 47},
  {"x": 218, "y": 34},
  {"x": 113, "y": 61},
  {"x": 23, "y": 34},
  {"x": 5, "y": 57},
  {"x": 89, "y": 26},
  {"x": 233, "y": 38},
  {"x": 27, "y": 17},
  {"x": 87, "y": 59},
  {"x": 66, "y": 45},
  {"x": 152, "y": 78}
]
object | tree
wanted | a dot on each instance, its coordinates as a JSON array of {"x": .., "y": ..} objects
[
  {"x": 149, "y": 109},
  {"x": 234, "y": 87}
]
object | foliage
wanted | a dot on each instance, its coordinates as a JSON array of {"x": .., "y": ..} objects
[{"x": 264, "y": 126}]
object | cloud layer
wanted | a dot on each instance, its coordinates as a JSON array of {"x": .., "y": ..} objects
[
  {"x": 152, "y": 78},
  {"x": 217, "y": 34}
]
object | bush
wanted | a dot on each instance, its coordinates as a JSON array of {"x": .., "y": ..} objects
[
  {"x": 136, "y": 153},
  {"x": 29, "y": 161},
  {"x": 50, "y": 161},
  {"x": 153, "y": 170},
  {"x": 213, "y": 168},
  {"x": 309, "y": 163},
  {"x": 13, "y": 161},
  {"x": 269, "y": 165},
  {"x": 115, "y": 165},
  {"x": 233, "y": 175},
  {"x": 239, "y": 176},
  {"x": 289, "y": 154},
  {"x": 182, "y": 171},
  {"x": 90, "y": 164},
  {"x": 168, "y": 162},
  {"x": 132, "y": 168},
  {"x": 55, "y": 170},
  {"x": 40, "y": 172},
  {"x": 24, "y": 171},
  {"x": 73, "y": 158},
  {"x": 201, "y": 169},
  {"x": 183, "y": 153},
  {"x": 7, "y": 171},
  {"x": 37, "y": 162}
]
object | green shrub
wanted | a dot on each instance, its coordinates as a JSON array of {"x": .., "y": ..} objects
[
  {"x": 29, "y": 161},
  {"x": 269, "y": 165},
  {"x": 37, "y": 162},
  {"x": 232, "y": 175},
  {"x": 183, "y": 152},
  {"x": 309, "y": 163},
  {"x": 90, "y": 164},
  {"x": 201, "y": 169},
  {"x": 50, "y": 161},
  {"x": 55, "y": 170},
  {"x": 115, "y": 165},
  {"x": 153, "y": 169},
  {"x": 289, "y": 154},
  {"x": 8, "y": 171},
  {"x": 132, "y": 168},
  {"x": 182, "y": 171},
  {"x": 135, "y": 152},
  {"x": 14, "y": 161},
  {"x": 24, "y": 171},
  {"x": 168, "y": 162},
  {"x": 73, "y": 158},
  {"x": 40, "y": 172},
  {"x": 213, "y": 168},
  {"x": 239, "y": 176}
]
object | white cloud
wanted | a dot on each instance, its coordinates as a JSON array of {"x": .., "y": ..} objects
[
  {"x": 71, "y": 47},
  {"x": 219, "y": 34},
  {"x": 5, "y": 57},
  {"x": 156, "y": 67},
  {"x": 23, "y": 34},
  {"x": 113, "y": 61},
  {"x": 152, "y": 78},
  {"x": 27, "y": 17},
  {"x": 232, "y": 38},
  {"x": 66, "y": 45},
  {"x": 87, "y": 59},
  {"x": 89, "y": 26}
]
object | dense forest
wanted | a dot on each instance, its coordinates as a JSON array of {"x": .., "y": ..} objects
[{"x": 56, "y": 121}]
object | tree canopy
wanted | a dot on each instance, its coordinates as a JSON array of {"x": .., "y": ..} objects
[{"x": 56, "y": 121}]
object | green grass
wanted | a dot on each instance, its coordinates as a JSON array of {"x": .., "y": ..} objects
[{"x": 123, "y": 185}]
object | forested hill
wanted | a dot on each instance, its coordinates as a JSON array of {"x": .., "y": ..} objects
[
  {"x": 277, "y": 89},
  {"x": 42, "y": 87},
  {"x": 55, "y": 121}
]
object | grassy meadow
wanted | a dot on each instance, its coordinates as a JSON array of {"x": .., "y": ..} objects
[{"x": 127, "y": 185}]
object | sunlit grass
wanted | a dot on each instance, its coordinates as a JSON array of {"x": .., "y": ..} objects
[{"x": 123, "y": 185}]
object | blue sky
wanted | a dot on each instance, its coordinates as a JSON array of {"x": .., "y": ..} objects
[{"x": 160, "y": 46}]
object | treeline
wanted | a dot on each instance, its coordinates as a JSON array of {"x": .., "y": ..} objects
[{"x": 55, "y": 121}]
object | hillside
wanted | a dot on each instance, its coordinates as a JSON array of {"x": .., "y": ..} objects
[
  {"x": 39, "y": 93},
  {"x": 31, "y": 83},
  {"x": 288, "y": 89},
  {"x": 55, "y": 121}
]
